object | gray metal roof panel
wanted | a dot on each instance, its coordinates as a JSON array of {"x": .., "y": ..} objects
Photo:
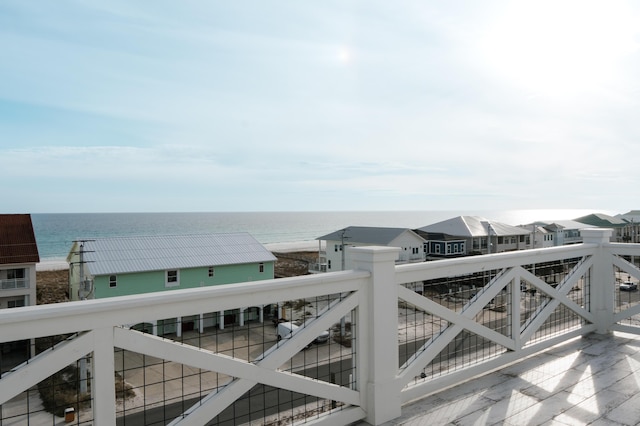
[
  {"x": 153, "y": 253},
  {"x": 473, "y": 226},
  {"x": 601, "y": 220},
  {"x": 564, "y": 224},
  {"x": 366, "y": 234}
]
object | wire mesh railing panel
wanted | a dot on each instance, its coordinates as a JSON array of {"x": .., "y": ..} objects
[
  {"x": 63, "y": 396},
  {"x": 448, "y": 344},
  {"x": 155, "y": 391},
  {"x": 561, "y": 320},
  {"x": 415, "y": 327},
  {"x": 465, "y": 350},
  {"x": 496, "y": 315},
  {"x": 162, "y": 390},
  {"x": 626, "y": 294},
  {"x": 329, "y": 356},
  {"x": 267, "y": 405},
  {"x": 561, "y": 276},
  {"x": 419, "y": 330},
  {"x": 456, "y": 291},
  {"x": 163, "y": 368}
]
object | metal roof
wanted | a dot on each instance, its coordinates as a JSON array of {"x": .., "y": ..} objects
[
  {"x": 119, "y": 255},
  {"x": 601, "y": 220},
  {"x": 632, "y": 216},
  {"x": 473, "y": 226},
  {"x": 563, "y": 224},
  {"x": 367, "y": 235}
]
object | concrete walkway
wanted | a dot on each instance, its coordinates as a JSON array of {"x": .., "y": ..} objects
[{"x": 593, "y": 380}]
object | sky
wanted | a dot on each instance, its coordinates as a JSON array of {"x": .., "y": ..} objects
[{"x": 121, "y": 106}]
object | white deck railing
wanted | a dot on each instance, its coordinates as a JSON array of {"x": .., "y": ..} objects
[{"x": 389, "y": 368}]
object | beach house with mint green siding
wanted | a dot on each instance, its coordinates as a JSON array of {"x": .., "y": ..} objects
[{"x": 122, "y": 266}]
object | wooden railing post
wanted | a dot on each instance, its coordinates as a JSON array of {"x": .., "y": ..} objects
[
  {"x": 378, "y": 333},
  {"x": 602, "y": 278}
]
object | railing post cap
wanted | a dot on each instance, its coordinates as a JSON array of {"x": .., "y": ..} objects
[{"x": 596, "y": 235}]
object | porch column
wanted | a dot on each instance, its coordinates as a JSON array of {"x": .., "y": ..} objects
[
  {"x": 242, "y": 316},
  {"x": 261, "y": 314},
  {"x": 154, "y": 327},
  {"x": 221, "y": 320},
  {"x": 602, "y": 279},
  {"x": 378, "y": 333},
  {"x": 179, "y": 327},
  {"x": 201, "y": 324}
]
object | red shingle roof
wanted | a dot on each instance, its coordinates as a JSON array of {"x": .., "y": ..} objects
[{"x": 17, "y": 239}]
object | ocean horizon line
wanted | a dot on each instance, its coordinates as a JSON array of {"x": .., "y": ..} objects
[
  {"x": 464, "y": 212},
  {"x": 283, "y": 231}
]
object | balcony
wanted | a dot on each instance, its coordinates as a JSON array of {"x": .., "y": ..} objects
[
  {"x": 410, "y": 258},
  {"x": 536, "y": 326},
  {"x": 14, "y": 283},
  {"x": 317, "y": 268}
]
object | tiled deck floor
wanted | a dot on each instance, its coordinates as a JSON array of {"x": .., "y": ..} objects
[{"x": 593, "y": 380}]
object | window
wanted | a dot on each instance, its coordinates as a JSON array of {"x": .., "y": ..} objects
[
  {"x": 173, "y": 278},
  {"x": 211, "y": 271},
  {"x": 14, "y": 274},
  {"x": 261, "y": 267},
  {"x": 329, "y": 264},
  {"x": 15, "y": 303},
  {"x": 113, "y": 281}
]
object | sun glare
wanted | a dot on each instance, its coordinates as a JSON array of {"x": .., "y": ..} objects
[
  {"x": 560, "y": 47},
  {"x": 344, "y": 55}
]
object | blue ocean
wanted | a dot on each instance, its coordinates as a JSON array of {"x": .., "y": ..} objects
[{"x": 55, "y": 232}]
